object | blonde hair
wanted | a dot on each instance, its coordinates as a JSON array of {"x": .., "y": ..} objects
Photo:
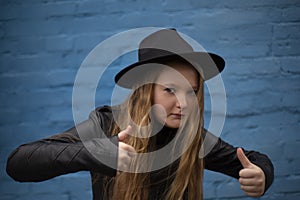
[{"x": 189, "y": 174}]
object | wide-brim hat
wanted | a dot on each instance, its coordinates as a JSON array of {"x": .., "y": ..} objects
[{"x": 167, "y": 45}]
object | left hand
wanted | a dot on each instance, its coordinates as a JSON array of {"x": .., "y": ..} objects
[{"x": 252, "y": 178}]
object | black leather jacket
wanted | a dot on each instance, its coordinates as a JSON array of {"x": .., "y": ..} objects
[{"x": 65, "y": 153}]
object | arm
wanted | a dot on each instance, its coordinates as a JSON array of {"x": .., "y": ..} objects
[
  {"x": 65, "y": 153},
  {"x": 223, "y": 158}
]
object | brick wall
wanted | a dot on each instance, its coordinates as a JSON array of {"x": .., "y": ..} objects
[{"x": 43, "y": 43}]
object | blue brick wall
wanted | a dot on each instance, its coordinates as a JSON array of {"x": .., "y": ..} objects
[{"x": 43, "y": 43}]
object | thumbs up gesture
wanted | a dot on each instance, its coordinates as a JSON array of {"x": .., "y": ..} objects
[
  {"x": 125, "y": 150},
  {"x": 252, "y": 178}
]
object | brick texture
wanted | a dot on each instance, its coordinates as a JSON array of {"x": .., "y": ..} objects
[{"x": 43, "y": 43}]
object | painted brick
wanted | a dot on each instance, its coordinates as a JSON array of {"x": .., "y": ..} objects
[
  {"x": 286, "y": 31},
  {"x": 37, "y": 27},
  {"x": 137, "y": 19},
  {"x": 282, "y": 168},
  {"x": 38, "y": 62},
  {"x": 286, "y": 47},
  {"x": 9, "y": 12},
  {"x": 238, "y": 4},
  {"x": 43, "y": 43},
  {"x": 255, "y": 104},
  {"x": 81, "y": 44},
  {"x": 46, "y": 196},
  {"x": 28, "y": 45},
  {"x": 47, "y": 97},
  {"x": 253, "y": 68},
  {"x": 290, "y": 185},
  {"x": 59, "y": 43},
  {"x": 209, "y": 190},
  {"x": 289, "y": 66},
  {"x": 95, "y": 24},
  {"x": 215, "y": 177},
  {"x": 35, "y": 80},
  {"x": 230, "y": 189},
  {"x": 8, "y": 187}
]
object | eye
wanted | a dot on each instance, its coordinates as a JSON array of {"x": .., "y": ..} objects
[
  {"x": 192, "y": 92},
  {"x": 170, "y": 90}
]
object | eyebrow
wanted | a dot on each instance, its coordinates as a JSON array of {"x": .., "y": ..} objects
[{"x": 174, "y": 85}]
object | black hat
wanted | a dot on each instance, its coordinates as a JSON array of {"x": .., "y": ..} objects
[{"x": 165, "y": 45}]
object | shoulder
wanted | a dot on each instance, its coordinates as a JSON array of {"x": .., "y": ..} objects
[
  {"x": 103, "y": 110},
  {"x": 105, "y": 115},
  {"x": 107, "y": 111},
  {"x": 102, "y": 113}
]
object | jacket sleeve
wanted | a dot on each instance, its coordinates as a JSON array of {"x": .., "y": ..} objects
[
  {"x": 222, "y": 157},
  {"x": 66, "y": 153}
]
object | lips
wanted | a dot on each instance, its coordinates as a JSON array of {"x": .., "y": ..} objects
[{"x": 177, "y": 115}]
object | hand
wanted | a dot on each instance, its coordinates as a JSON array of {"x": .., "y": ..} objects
[
  {"x": 125, "y": 150},
  {"x": 252, "y": 178}
]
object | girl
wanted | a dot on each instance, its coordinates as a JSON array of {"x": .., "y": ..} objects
[{"x": 164, "y": 114}]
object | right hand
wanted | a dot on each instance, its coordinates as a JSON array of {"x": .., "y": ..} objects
[
  {"x": 252, "y": 178},
  {"x": 125, "y": 150}
]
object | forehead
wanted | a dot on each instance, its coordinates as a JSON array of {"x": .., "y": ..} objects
[{"x": 178, "y": 73}]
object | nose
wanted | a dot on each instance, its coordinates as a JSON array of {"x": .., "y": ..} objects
[{"x": 181, "y": 101}]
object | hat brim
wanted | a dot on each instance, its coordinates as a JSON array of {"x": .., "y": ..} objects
[{"x": 207, "y": 64}]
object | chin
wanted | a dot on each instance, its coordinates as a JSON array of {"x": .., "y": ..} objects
[{"x": 172, "y": 125}]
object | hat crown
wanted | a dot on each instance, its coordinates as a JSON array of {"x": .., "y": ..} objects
[
  {"x": 163, "y": 43},
  {"x": 163, "y": 46}
]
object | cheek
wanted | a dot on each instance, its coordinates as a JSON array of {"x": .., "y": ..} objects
[
  {"x": 165, "y": 103},
  {"x": 192, "y": 102},
  {"x": 159, "y": 112}
]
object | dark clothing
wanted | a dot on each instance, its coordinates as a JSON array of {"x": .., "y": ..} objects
[{"x": 65, "y": 153}]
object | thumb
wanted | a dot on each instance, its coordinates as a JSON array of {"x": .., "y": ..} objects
[
  {"x": 243, "y": 158},
  {"x": 124, "y": 134}
]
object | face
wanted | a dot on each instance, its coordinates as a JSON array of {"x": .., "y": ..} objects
[{"x": 174, "y": 93}]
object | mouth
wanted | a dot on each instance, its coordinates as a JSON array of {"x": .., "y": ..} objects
[{"x": 177, "y": 115}]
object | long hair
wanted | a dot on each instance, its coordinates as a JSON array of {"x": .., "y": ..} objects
[{"x": 189, "y": 174}]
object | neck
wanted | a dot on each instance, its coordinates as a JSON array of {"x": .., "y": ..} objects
[{"x": 164, "y": 136}]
